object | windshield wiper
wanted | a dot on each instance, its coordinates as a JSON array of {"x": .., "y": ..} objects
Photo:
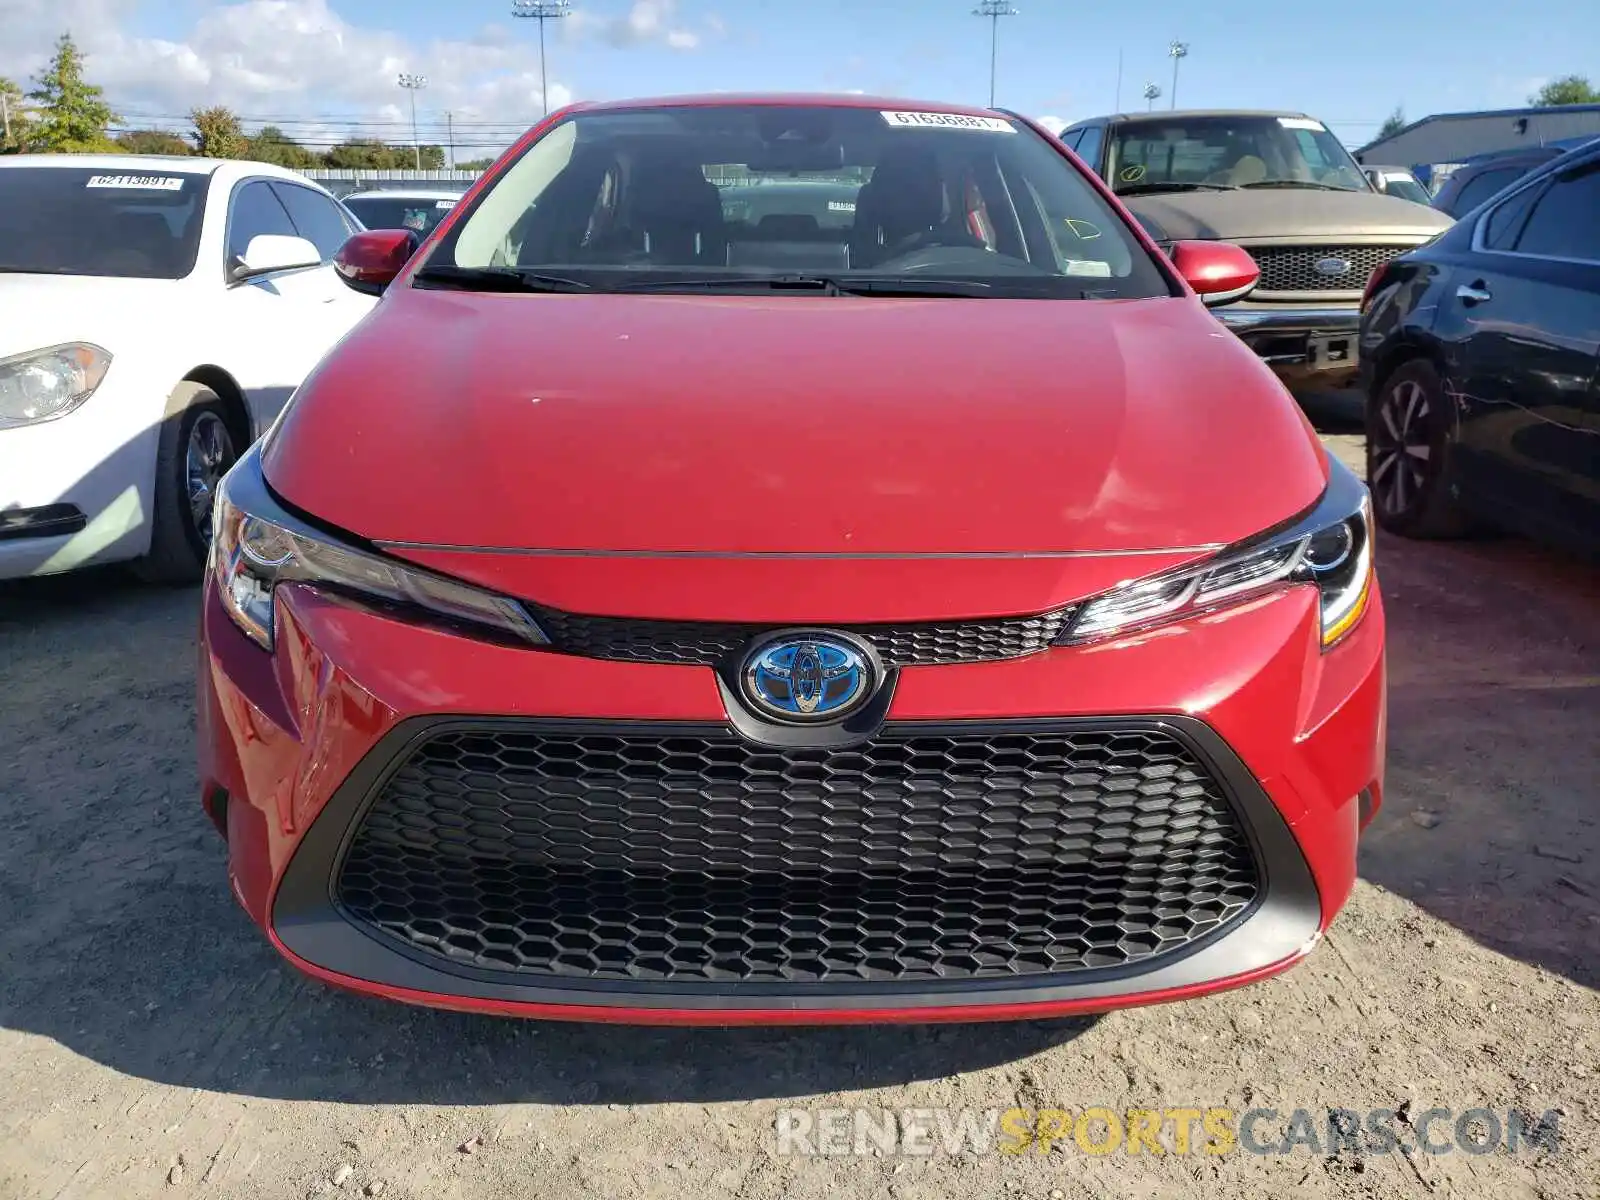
[
  {"x": 822, "y": 285},
  {"x": 1131, "y": 189},
  {"x": 499, "y": 279},
  {"x": 1296, "y": 183}
]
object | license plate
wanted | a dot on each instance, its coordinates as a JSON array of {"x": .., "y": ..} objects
[{"x": 1330, "y": 351}]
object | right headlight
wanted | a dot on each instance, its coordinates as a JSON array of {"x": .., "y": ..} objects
[
  {"x": 1330, "y": 549},
  {"x": 257, "y": 545},
  {"x": 44, "y": 384}
]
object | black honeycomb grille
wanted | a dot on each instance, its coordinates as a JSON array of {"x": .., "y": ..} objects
[
  {"x": 698, "y": 858},
  {"x": 709, "y": 643},
  {"x": 1294, "y": 268}
]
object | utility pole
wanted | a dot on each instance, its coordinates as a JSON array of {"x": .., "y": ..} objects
[
  {"x": 414, "y": 84},
  {"x": 450, "y": 137},
  {"x": 994, "y": 10},
  {"x": 1116, "y": 108},
  {"x": 1152, "y": 93},
  {"x": 542, "y": 11},
  {"x": 1179, "y": 51},
  {"x": 5, "y": 112}
]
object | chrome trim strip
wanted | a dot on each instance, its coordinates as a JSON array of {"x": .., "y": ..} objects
[
  {"x": 933, "y": 556},
  {"x": 1291, "y": 319}
]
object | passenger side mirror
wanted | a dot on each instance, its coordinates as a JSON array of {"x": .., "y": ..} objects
[
  {"x": 269, "y": 252},
  {"x": 1219, "y": 272},
  {"x": 369, "y": 262}
]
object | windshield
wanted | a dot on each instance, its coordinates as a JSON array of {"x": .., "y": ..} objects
[
  {"x": 1186, "y": 152},
  {"x": 1406, "y": 188},
  {"x": 399, "y": 212},
  {"x": 88, "y": 221},
  {"x": 695, "y": 197}
]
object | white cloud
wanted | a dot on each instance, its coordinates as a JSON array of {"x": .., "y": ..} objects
[
  {"x": 302, "y": 59},
  {"x": 646, "y": 22},
  {"x": 1053, "y": 124}
]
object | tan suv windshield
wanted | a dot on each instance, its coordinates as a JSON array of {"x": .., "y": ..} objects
[{"x": 1202, "y": 153}]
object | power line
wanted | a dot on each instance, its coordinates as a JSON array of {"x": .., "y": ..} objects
[{"x": 994, "y": 10}]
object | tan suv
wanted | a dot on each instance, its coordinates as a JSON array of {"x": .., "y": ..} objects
[{"x": 1283, "y": 187}]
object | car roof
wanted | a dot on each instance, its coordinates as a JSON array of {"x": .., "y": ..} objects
[
  {"x": 144, "y": 164},
  {"x": 803, "y": 99},
  {"x": 1180, "y": 114}
]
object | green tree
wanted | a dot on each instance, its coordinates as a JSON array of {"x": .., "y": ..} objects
[
  {"x": 432, "y": 158},
  {"x": 1394, "y": 123},
  {"x": 152, "y": 141},
  {"x": 217, "y": 133},
  {"x": 274, "y": 146},
  {"x": 1569, "y": 89},
  {"x": 70, "y": 115},
  {"x": 362, "y": 154},
  {"x": 476, "y": 164}
]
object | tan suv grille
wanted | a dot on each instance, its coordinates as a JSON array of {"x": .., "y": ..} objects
[{"x": 1294, "y": 268}]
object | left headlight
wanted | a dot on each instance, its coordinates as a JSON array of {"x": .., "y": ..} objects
[
  {"x": 42, "y": 385},
  {"x": 1330, "y": 548},
  {"x": 257, "y": 545}
]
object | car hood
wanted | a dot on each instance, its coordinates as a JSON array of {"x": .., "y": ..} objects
[
  {"x": 810, "y": 425},
  {"x": 1288, "y": 213},
  {"x": 37, "y": 311}
]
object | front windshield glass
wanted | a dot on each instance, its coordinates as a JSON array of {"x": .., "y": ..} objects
[
  {"x": 399, "y": 212},
  {"x": 1184, "y": 153},
  {"x": 94, "y": 221},
  {"x": 1406, "y": 188},
  {"x": 696, "y": 197}
]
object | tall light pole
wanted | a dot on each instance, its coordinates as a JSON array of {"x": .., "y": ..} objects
[
  {"x": 994, "y": 10},
  {"x": 1152, "y": 93},
  {"x": 542, "y": 11},
  {"x": 1179, "y": 51},
  {"x": 414, "y": 84}
]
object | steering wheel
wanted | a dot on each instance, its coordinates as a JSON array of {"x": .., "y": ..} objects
[{"x": 924, "y": 239}]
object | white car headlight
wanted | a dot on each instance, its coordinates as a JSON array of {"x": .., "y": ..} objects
[
  {"x": 256, "y": 545},
  {"x": 42, "y": 385},
  {"x": 1331, "y": 548}
]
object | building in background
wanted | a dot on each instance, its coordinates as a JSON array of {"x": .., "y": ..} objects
[{"x": 1448, "y": 139}]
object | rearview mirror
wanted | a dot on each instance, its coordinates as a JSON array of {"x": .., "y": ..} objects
[
  {"x": 269, "y": 252},
  {"x": 1219, "y": 272},
  {"x": 370, "y": 260}
]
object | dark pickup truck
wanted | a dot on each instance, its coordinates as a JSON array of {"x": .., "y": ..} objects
[{"x": 1280, "y": 185}]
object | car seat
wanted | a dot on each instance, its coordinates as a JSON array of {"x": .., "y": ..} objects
[
  {"x": 674, "y": 214},
  {"x": 905, "y": 196}
]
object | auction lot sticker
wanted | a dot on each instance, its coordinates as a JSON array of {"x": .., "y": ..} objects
[
  {"x": 929, "y": 120},
  {"x": 138, "y": 183}
]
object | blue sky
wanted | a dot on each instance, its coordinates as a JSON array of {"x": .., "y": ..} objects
[{"x": 331, "y": 61}]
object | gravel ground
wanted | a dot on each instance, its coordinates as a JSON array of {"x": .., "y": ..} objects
[{"x": 152, "y": 1045}]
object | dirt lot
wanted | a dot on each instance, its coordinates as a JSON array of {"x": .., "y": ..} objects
[{"x": 152, "y": 1045}]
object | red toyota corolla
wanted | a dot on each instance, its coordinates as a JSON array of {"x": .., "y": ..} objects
[{"x": 791, "y": 559}]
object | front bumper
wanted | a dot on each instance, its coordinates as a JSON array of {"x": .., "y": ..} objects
[
  {"x": 1299, "y": 342},
  {"x": 295, "y": 746}
]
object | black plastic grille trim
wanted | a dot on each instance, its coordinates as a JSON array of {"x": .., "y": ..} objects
[
  {"x": 696, "y": 859},
  {"x": 1293, "y": 268},
  {"x": 706, "y": 643}
]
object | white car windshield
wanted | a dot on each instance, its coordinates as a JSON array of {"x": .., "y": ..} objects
[
  {"x": 861, "y": 200},
  {"x": 1251, "y": 150},
  {"x": 100, "y": 221},
  {"x": 416, "y": 213}
]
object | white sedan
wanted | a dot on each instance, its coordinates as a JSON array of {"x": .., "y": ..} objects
[{"x": 155, "y": 315}]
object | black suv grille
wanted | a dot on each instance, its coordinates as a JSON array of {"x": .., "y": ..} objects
[
  {"x": 709, "y": 643},
  {"x": 1294, "y": 268},
  {"x": 695, "y": 857}
]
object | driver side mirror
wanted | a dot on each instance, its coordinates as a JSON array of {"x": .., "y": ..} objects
[
  {"x": 1219, "y": 272},
  {"x": 269, "y": 252},
  {"x": 369, "y": 261}
]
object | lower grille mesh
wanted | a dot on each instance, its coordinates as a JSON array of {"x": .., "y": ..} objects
[
  {"x": 700, "y": 858},
  {"x": 1294, "y": 268}
]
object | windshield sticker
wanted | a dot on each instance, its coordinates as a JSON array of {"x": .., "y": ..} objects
[
  {"x": 841, "y": 206},
  {"x": 445, "y": 205},
  {"x": 140, "y": 183},
  {"x": 1302, "y": 123},
  {"x": 1131, "y": 173},
  {"x": 1088, "y": 266},
  {"x": 927, "y": 120}
]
